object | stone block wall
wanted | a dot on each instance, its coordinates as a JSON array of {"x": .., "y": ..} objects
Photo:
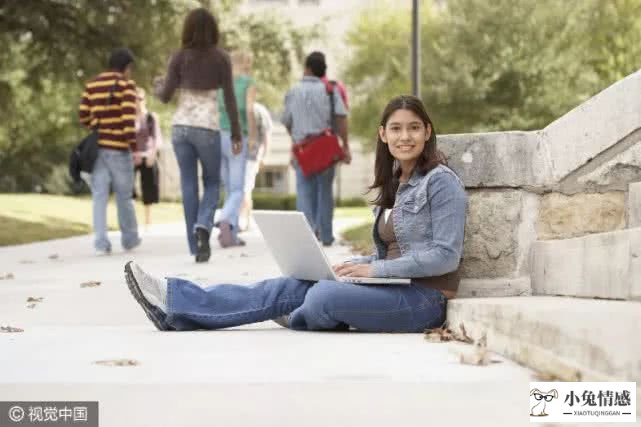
[
  {"x": 634, "y": 205},
  {"x": 563, "y": 216},
  {"x": 567, "y": 180},
  {"x": 601, "y": 265},
  {"x": 491, "y": 235}
]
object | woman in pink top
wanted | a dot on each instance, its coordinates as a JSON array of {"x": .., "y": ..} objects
[{"x": 195, "y": 73}]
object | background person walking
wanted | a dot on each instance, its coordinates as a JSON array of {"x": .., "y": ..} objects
[
  {"x": 308, "y": 113},
  {"x": 109, "y": 104},
  {"x": 197, "y": 71},
  {"x": 148, "y": 142},
  {"x": 233, "y": 165},
  {"x": 255, "y": 159}
]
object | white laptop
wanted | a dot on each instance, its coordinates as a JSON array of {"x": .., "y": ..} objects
[{"x": 298, "y": 253}]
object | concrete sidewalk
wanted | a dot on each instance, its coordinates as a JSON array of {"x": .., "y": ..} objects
[{"x": 258, "y": 374}]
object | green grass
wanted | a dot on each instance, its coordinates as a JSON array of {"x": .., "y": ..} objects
[
  {"x": 26, "y": 218},
  {"x": 360, "y": 238},
  {"x": 364, "y": 213},
  {"x": 14, "y": 231}
]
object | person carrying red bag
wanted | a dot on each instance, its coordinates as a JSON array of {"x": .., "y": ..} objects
[{"x": 308, "y": 113}]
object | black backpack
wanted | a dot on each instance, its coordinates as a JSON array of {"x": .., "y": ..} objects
[{"x": 84, "y": 154}]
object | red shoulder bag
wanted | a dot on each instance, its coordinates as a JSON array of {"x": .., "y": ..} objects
[{"x": 319, "y": 152}]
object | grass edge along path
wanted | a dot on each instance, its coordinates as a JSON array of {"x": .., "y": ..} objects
[
  {"x": 359, "y": 238},
  {"x": 31, "y": 217}
]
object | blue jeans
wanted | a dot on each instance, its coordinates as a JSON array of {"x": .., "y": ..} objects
[
  {"x": 324, "y": 305},
  {"x": 233, "y": 175},
  {"x": 314, "y": 197},
  {"x": 192, "y": 144},
  {"x": 114, "y": 168}
]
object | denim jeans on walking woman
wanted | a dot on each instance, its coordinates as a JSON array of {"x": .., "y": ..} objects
[
  {"x": 193, "y": 144},
  {"x": 114, "y": 168},
  {"x": 314, "y": 197},
  {"x": 324, "y": 305},
  {"x": 233, "y": 175}
]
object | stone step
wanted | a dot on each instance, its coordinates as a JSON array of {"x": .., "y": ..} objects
[
  {"x": 573, "y": 339},
  {"x": 502, "y": 287},
  {"x": 634, "y": 204},
  {"x": 602, "y": 265}
]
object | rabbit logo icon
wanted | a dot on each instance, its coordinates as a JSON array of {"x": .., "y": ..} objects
[{"x": 541, "y": 397}]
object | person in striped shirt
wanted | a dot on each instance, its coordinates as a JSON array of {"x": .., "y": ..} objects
[{"x": 109, "y": 105}]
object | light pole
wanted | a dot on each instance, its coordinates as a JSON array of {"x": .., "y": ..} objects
[{"x": 416, "y": 49}]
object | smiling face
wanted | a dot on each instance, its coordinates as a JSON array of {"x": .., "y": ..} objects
[{"x": 405, "y": 135}]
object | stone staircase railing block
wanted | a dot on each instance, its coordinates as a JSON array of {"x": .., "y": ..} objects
[{"x": 601, "y": 265}]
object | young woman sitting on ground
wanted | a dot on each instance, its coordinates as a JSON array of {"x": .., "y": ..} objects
[{"x": 420, "y": 219}]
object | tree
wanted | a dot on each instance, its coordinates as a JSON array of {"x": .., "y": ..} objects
[
  {"x": 379, "y": 65},
  {"x": 616, "y": 38},
  {"x": 500, "y": 65},
  {"x": 276, "y": 46},
  {"x": 53, "y": 46}
]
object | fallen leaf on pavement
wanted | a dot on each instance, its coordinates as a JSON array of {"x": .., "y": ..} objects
[
  {"x": 479, "y": 355},
  {"x": 54, "y": 256},
  {"x": 31, "y": 306},
  {"x": 10, "y": 329},
  {"x": 244, "y": 255},
  {"x": 566, "y": 374},
  {"x": 118, "y": 362},
  {"x": 545, "y": 377},
  {"x": 35, "y": 299},
  {"x": 441, "y": 334},
  {"x": 464, "y": 336},
  {"x": 7, "y": 276},
  {"x": 90, "y": 284}
]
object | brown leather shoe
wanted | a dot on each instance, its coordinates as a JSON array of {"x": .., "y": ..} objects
[{"x": 225, "y": 237}]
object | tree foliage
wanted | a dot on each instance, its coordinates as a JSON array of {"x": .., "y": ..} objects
[
  {"x": 51, "y": 47},
  {"x": 275, "y": 48},
  {"x": 500, "y": 65}
]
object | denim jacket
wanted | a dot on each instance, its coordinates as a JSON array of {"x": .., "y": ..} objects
[{"x": 429, "y": 223}]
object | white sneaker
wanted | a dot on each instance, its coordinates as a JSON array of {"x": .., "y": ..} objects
[
  {"x": 243, "y": 223},
  {"x": 153, "y": 289},
  {"x": 102, "y": 252}
]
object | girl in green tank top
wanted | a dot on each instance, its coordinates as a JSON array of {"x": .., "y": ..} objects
[{"x": 245, "y": 92}]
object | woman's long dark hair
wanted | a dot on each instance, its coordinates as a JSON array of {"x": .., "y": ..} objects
[
  {"x": 200, "y": 30},
  {"x": 386, "y": 178}
]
